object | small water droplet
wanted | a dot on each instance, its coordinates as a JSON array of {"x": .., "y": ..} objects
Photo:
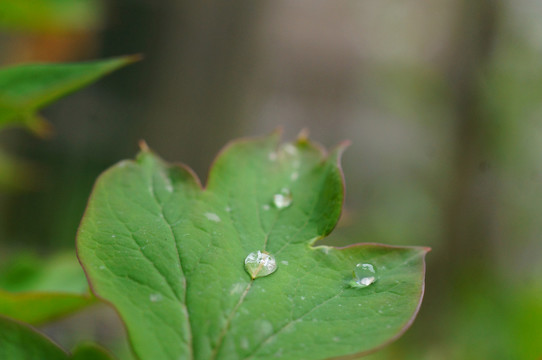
[
  {"x": 284, "y": 262},
  {"x": 212, "y": 216},
  {"x": 244, "y": 343},
  {"x": 272, "y": 156},
  {"x": 283, "y": 199},
  {"x": 156, "y": 297},
  {"x": 260, "y": 263},
  {"x": 364, "y": 275},
  {"x": 228, "y": 209},
  {"x": 113, "y": 236},
  {"x": 290, "y": 149},
  {"x": 294, "y": 176},
  {"x": 266, "y": 207},
  {"x": 102, "y": 267}
]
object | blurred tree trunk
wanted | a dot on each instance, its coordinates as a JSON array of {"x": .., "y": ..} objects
[
  {"x": 469, "y": 213},
  {"x": 469, "y": 204},
  {"x": 204, "y": 56}
]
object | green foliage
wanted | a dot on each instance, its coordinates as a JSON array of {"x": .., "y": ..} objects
[
  {"x": 37, "y": 291},
  {"x": 90, "y": 352},
  {"x": 24, "y": 89},
  {"x": 50, "y": 15},
  {"x": 169, "y": 256},
  {"x": 20, "y": 342}
]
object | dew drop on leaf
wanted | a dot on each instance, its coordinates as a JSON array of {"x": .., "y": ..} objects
[
  {"x": 283, "y": 199},
  {"x": 155, "y": 297},
  {"x": 364, "y": 275},
  {"x": 260, "y": 263},
  {"x": 212, "y": 216}
]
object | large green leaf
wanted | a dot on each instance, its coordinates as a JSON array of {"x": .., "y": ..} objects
[
  {"x": 35, "y": 290},
  {"x": 24, "y": 89},
  {"x": 19, "y": 341},
  {"x": 169, "y": 256}
]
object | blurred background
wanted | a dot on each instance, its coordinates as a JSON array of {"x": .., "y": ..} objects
[{"x": 441, "y": 99}]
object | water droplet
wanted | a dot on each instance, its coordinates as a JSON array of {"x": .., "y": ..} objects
[
  {"x": 290, "y": 149},
  {"x": 266, "y": 207},
  {"x": 244, "y": 343},
  {"x": 102, "y": 267},
  {"x": 272, "y": 156},
  {"x": 294, "y": 176},
  {"x": 228, "y": 209},
  {"x": 212, "y": 216},
  {"x": 284, "y": 262},
  {"x": 364, "y": 275},
  {"x": 283, "y": 199},
  {"x": 156, "y": 297},
  {"x": 260, "y": 263}
]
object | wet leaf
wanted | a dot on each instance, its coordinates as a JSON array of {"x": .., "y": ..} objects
[{"x": 170, "y": 256}]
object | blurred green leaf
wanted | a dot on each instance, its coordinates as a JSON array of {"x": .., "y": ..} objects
[
  {"x": 37, "y": 291},
  {"x": 16, "y": 174},
  {"x": 90, "y": 352},
  {"x": 50, "y": 15},
  {"x": 170, "y": 257},
  {"x": 24, "y": 89},
  {"x": 19, "y": 341},
  {"x": 40, "y": 307}
]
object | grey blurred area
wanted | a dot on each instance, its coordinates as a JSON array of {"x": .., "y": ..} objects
[{"x": 440, "y": 100}]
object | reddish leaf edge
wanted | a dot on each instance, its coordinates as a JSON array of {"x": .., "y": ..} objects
[
  {"x": 35, "y": 331},
  {"x": 302, "y": 138},
  {"x": 423, "y": 251}
]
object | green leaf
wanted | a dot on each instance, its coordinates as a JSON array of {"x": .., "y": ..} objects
[
  {"x": 37, "y": 291},
  {"x": 24, "y": 89},
  {"x": 170, "y": 255},
  {"x": 90, "y": 352},
  {"x": 19, "y": 341},
  {"x": 50, "y": 15}
]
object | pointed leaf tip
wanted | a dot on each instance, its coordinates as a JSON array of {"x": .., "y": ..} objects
[{"x": 143, "y": 146}]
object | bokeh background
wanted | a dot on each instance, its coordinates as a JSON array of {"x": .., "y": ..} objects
[{"x": 441, "y": 99}]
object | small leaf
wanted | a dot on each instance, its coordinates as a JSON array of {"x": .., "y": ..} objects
[
  {"x": 170, "y": 256},
  {"x": 36, "y": 291},
  {"x": 20, "y": 342},
  {"x": 24, "y": 89},
  {"x": 88, "y": 351}
]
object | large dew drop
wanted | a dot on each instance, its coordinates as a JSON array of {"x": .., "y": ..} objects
[
  {"x": 283, "y": 199},
  {"x": 364, "y": 275},
  {"x": 260, "y": 263}
]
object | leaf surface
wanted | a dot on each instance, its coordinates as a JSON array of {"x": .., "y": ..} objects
[
  {"x": 169, "y": 256},
  {"x": 24, "y": 89}
]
